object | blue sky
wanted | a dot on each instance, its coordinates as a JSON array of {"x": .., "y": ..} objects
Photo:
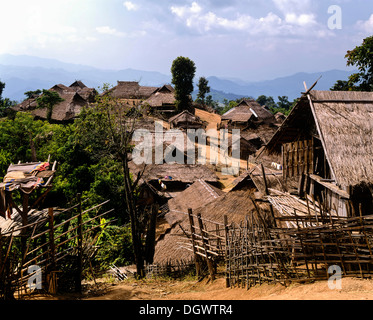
[{"x": 250, "y": 39}]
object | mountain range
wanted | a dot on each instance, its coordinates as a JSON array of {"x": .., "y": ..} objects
[{"x": 24, "y": 73}]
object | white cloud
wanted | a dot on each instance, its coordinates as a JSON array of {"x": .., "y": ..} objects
[
  {"x": 109, "y": 31},
  {"x": 130, "y": 6},
  {"x": 295, "y": 22},
  {"x": 366, "y": 26},
  {"x": 293, "y": 6}
]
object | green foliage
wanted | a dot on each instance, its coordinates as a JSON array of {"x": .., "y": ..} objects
[
  {"x": 183, "y": 70},
  {"x": 341, "y": 85},
  {"x": 228, "y": 105},
  {"x": 48, "y": 100},
  {"x": 5, "y": 103},
  {"x": 33, "y": 94},
  {"x": 362, "y": 58},
  {"x": 203, "y": 89},
  {"x": 266, "y": 101},
  {"x": 115, "y": 246}
]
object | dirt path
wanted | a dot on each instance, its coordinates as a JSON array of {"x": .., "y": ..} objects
[{"x": 352, "y": 289}]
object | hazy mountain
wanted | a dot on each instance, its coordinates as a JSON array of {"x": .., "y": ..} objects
[{"x": 24, "y": 73}]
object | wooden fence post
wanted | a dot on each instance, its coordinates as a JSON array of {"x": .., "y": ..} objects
[
  {"x": 78, "y": 284},
  {"x": 150, "y": 235},
  {"x": 227, "y": 271},
  {"x": 192, "y": 231},
  {"x": 51, "y": 277},
  {"x": 205, "y": 243}
]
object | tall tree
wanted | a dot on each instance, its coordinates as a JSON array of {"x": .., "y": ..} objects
[
  {"x": 109, "y": 127},
  {"x": 48, "y": 100},
  {"x": 2, "y": 86},
  {"x": 362, "y": 58},
  {"x": 5, "y": 103},
  {"x": 203, "y": 89},
  {"x": 183, "y": 70}
]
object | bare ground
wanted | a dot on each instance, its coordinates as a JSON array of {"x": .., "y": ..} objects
[{"x": 352, "y": 289}]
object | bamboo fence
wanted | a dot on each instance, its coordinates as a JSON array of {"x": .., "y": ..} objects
[
  {"x": 298, "y": 247},
  {"x": 61, "y": 248}
]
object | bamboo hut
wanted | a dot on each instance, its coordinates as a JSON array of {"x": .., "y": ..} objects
[
  {"x": 162, "y": 101},
  {"x": 325, "y": 143},
  {"x": 172, "y": 246},
  {"x": 130, "y": 92},
  {"x": 75, "y": 98},
  {"x": 248, "y": 113},
  {"x": 185, "y": 120}
]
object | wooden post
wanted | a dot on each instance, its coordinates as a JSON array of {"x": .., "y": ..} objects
[
  {"x": 205, "y": 243},
  {"x": 301, "y": 185},
  {"x": 51, "y": 278},
  {"x": 52, "y": 247},
  {"x": 78, "y": 284},
  {"x": 267, "y": 193},
  {"x": 150, "y": 235},
  {"x": 192, "y": 231},
  {"x": 227, "y": 271}
]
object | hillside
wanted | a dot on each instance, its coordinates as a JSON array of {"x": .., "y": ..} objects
[{"x": 24, "y": 73}]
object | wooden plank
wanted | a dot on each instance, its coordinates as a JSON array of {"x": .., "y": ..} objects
[{"x": 330, "y": 186}]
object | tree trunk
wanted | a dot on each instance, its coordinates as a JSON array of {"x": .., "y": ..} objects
[{"x": 135, "y": 227}]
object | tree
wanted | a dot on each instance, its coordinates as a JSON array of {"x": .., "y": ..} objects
[
  {"x": 33, "y": 94},
  {"x": 5, "y": 103},
  {"x": 183, "y": 70},
  {"x": 48, "y": 100},
  {"x": 362, "y": 58},
  {"x": 266, "y": 101},
  {"x": 2, "y": 87},
  {"x": 283, "y": 103},
  {"x": 108, "y": 127},
  {"x": 203, "y": 89}
]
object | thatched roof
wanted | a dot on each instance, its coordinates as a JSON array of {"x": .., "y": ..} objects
[
  {"x": 66, "y": 110},
  {"x": 343, "y": 120},
  {"x": 164, "y": 95},
  {"x": 76, "y": 96},
  {"x": 185, "y": 173},
  {"x": 236, "y": 205},
  {"x": 248, "y": 109},
  {"x": 197, "y": 195},
  {"x": 131, "y": 90},
  {"x": 185, "y": 119}
]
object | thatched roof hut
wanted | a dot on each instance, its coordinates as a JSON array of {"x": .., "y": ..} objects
[
  {"x": 131, "y": 90},
  {"x": 236, "y": 205},
  {"x": 75, "y": 97},
  {"x": 162, "y": 100},
  {"x": 197, "y": 195},
  {"x": 185, "y": 120},
  {"x": 247, "y": 112},
  {"x": 328, "y": 135},
  {"x": 67, "y": 110}
]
